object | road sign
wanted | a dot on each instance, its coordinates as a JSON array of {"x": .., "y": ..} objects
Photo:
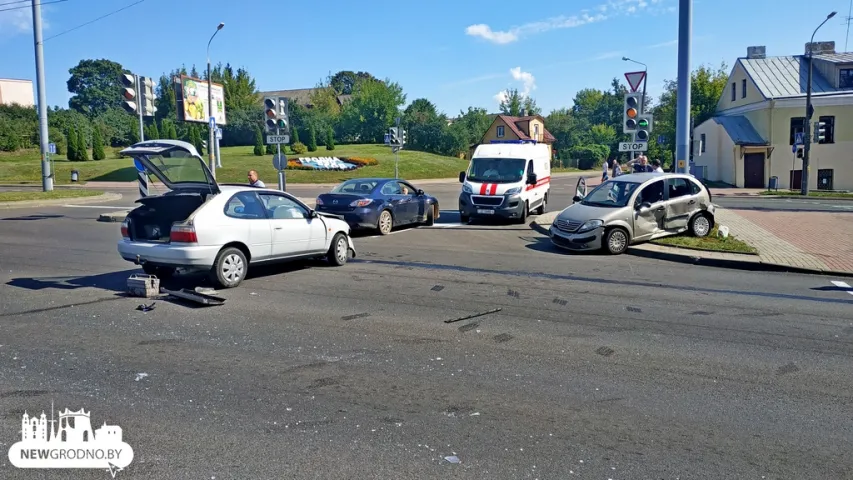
[
  {"x": 212, "y": 123},
  {"x": 277, "y": 139},
  {"x": 635, "y": 79},
  {"x": 218, "y": 133},
  {"x": 798, "y": 138},
  {"x": 661, "y": 139},
  {"x": 51, "y": 147},
  {"x": 279, "y": 161},
  {"x": 633, "y": 146}
]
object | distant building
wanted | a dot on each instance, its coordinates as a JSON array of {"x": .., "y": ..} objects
[
  {"x": 532, "y": 127},
  {"x": 301, "y": 96},
  {"x": 14, "y": 91},
  {"x": 762, "y": 113}
]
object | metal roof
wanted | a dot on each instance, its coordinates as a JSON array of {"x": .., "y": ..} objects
[
  {"x": 787, "y": 76},
  {"x": 835, "y": 57},
  {"x": 740, "y": 130}
]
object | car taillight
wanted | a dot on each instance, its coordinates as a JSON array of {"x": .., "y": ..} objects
[
  {"x": 124, "y": 228},
  {"x": 319, "y": 201},
  {"x": 361, "y": 203},
  {"x": 183, "y": 234}
]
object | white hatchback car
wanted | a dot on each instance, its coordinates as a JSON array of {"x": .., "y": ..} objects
[{"x": 222, "y": 229}]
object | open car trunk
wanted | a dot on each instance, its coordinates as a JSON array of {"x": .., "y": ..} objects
[{"x": 152, "y": 221}]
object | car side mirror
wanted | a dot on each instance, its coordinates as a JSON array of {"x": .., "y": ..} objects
[
  {"x": 420, "y": 192},
  {"x": 461, "y": 177},
  {"x": 313, "y": 214},
  {"x": 531, "y": 179},
  {"x": 577, "y": 198}
]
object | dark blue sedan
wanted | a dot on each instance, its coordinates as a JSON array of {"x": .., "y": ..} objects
[{"x": 379, "y": 203}]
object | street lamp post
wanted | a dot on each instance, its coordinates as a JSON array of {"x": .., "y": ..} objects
[
  {"x": 643, "y": 98},
  {"x": 809, "y": 112},
  {"x": 211, "y": 150}
]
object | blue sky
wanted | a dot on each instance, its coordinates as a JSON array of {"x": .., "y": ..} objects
[{"x": 455, "y": 53}]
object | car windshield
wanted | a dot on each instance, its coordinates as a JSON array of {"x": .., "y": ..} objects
[
  {"x": 496, "y": 170},
  {"x": 179, "y": 166},
  {"x": 356, "y": 186},
  {"x": 614, "y": 194}
]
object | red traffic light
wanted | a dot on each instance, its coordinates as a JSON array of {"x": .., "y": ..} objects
[{"x": 128, "y": 93}]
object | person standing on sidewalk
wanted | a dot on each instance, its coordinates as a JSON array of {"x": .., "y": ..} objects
[{"x": 605, "y": 170}]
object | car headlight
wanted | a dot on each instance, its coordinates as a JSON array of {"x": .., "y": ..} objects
[
  {"x": 361, "y": 203},
  {"x": 513, "y": 191},
  {"x": 590, "y": 225},
  {"x": 467, "y": 188}
]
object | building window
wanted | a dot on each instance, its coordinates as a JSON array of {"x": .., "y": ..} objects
[
  {"x": 797, "y": 126},
  {"x": 702, "y": 139},
  {"x": 743, "y": 88},
  {"x": 500, "y": 131},
  {"x": 734, "y": 91},
  {"x": 845, "y": 78},
  {"x": 829, "y": 128},
  {"x": 536, "y": 132}
]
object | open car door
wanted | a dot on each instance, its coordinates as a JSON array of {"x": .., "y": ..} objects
[
  {"x": 176, "y": 163},
  {"x": 580, "y": 190}
]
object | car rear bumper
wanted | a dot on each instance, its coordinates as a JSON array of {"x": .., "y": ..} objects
[
  {"x": 168, "y": 255},
  {"x": 359, "y": 218},
  {"x": 510, "y": 207},
  {"x": 586, "y": 241}
]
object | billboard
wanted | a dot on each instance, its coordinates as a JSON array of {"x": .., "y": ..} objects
[{"x": 191, "y": 96}]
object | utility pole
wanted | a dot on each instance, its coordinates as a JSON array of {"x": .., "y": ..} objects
[
  {"x": 809, "y": 112},
  {"x": 44, "y": 140},
  {"x": 397, "y": 150},
  {"x": 682, "y": 127},
  {"x": 140, "y": 107},
  {"x": 211, "y": 120}
]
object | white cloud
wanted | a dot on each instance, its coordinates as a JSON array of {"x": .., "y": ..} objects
[
  {"x": 527, "y": 80},
  {"x": 20, "y": 21},
  {"x": 610, "y": 9}
]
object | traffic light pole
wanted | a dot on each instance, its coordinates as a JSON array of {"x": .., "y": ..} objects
[
  {"x": 282, "y": 180},
  {"x": 140, "y": 107},
  {"x": 397, "y": 150},
  {"x": 682, "y": 126},
  {"x": 44, "y": 140}
]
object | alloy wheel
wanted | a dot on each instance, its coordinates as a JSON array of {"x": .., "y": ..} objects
[
  {"x": 701, "y": 226},
  {"x": 617, "y": 241},
  {"x": 385, "y": 222}
]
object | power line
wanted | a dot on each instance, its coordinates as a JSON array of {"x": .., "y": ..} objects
[
  {"x": 93, "y": 21},
  {"x": 26, "y": 6}
]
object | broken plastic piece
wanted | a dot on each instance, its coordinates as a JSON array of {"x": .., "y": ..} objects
[
  {"x": 195, "y": 296},
  {"x": 453, "y": 459},
  {"x": 146, "y": 308}
]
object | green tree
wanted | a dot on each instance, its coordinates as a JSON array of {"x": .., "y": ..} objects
[
  {"x": 474, "y": 123},
  {"x": 97, "y": 144},
  {"x": 512, "y": 102},
  {"x": 330, "y": 139},
  {"x": 82, "y": 152},
  {"x": 589, "y": 156},
  {"x": 73, "y": 147},
  {"x": 96, "y": 86},
  {"x": 344, "y": 81},
  {"x": 259, "y": 143},
  {"x": 312, "y": 139},
  {"x": 371, "y": 110},
  {"x": 155, "y": 132},
  {"x": 294, "y": 135}
]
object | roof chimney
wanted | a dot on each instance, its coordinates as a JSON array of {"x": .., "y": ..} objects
[
  {"x": 523, "y": 112},
  {"x": 820, "y": 48},
  {"x": 756, "y": 52}
]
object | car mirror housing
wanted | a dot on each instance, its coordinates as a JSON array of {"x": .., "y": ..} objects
[{"x": 420, "y": 192}]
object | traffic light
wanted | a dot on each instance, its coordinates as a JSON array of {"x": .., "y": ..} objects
[
  {"x": 147, "y": 97},
  {"x": 819, "y": 132},
  {"x": 270, "y": 113},
  {"x": 800, "y": 152},
  {"x": 630, "y": 112},
  {"x": 403, "y": 142},
  {"x": 129, "y": 93},
  {"x": 644, "y": 128},
  {"x": 395, "y": 140}
]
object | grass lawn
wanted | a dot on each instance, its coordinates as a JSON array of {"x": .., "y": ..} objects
[
  {"x": 788, "y": 193},
  {"x": 24, "y": 166},
  {"x": 54, "y": 194},
  {"x": 711, "y": 243}
]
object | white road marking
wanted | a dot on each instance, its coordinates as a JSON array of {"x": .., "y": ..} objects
[
  {"x": 107, "y": 207},
  {"x": 843, "y": 285},
  {"x": 447, "y": 225}
]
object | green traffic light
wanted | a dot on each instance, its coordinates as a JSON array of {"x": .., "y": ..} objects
[
  {"x": 644, "y": 123},
  {"x": 281, "y": 123}
]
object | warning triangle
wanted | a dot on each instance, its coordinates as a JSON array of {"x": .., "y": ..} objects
[{"x": 635, "y": 79}]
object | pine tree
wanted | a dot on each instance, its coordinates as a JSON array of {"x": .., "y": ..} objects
[
  {"x": 155, "y": 132},
  {"x": 97, "y": 145},
  {"x": 259, "y": 142},
  {"x": 294, "y": 136},
  {"x": 330, "y": 139},
  {"x": 72, "y": 144},
  {"x": 82, "y": 153},
  {"x": 173, "y": 131},
  {"x": 312, "y": 139}
]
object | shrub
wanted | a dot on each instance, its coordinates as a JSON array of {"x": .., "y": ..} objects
[
  {"x": 312, "y": 139},
  {"x": 298, "y": 148},
  {"x": 589, "y": 156},
  {"x": 259, "y": 143},
  {"x": 97, "y": 144},
  {"x": 330, "y": 139},
  {"x": 361, "y": 161}
]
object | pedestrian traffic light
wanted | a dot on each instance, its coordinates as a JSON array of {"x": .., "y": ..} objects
[
  {"x": 129, "y": 93},
  {"x": 403, "y": 142},
  {"x": 394, "y": 137},
  {"x": 800, "y": 152},
  {"x": 630, "y": 112},
  {"x": 644, "y": 128},
  {"x": 820, "y": 132},
  {"x": 271, "y": 113},
  {"x": 147, "y": 98}
]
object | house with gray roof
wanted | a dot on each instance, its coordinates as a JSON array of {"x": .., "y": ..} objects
[
  {"x": 300, "y": 96},
  {"x": 760, "y": 121}
]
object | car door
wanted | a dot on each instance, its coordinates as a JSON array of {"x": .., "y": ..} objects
[
  {"x": 413, "y": 204},
  {"x": 249, "y": 214},
  {"x": 580, "y": 190},
  {"x": 649, "y": 211},
  {"x": 679, "y": 204},
  {"x": 394, "y": 194},
  {"x": 291, "y": 229}
]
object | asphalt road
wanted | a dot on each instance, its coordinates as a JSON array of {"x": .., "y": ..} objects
[{"x": 594, "y": 366}]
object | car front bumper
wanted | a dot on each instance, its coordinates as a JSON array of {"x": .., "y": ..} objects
[
  {"x": 511, "y": 206},
  {"x": 365, "y": 217},
  {"x": 168, "y": 255},
  {"x": 586, "y": 241}
]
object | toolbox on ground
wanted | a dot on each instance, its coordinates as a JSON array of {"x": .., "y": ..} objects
[{"x": 146, "y": 286}]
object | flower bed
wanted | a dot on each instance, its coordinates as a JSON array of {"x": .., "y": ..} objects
[{"x": 330, "y": 163}]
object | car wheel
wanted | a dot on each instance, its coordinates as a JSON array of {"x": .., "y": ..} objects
[
  {"x": 430, "y": 219},
  {"x": 230, "y": 267},
  {"x": 525, "y": 211},
  {"x": 700, "y": 225},
  {"x": 159, "y": 272},
  {"x": 616, "y": 241},
  {"x": 541, "y": 209},
  {"x": 386, "y": 222},
  {"x": 339, "y": 251}
]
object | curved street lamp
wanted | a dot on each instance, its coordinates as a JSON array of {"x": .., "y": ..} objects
[
  {"x": 210, "y": 139},
  {"x": 809, "y": 111}
]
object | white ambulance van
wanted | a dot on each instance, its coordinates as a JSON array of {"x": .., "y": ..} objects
[{"x": 507, "y": 180}]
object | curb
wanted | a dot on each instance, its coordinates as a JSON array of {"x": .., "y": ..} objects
[
  {"x": 800, "y": 197},
  {"x": 694, "y": 257},
  {"x": 106, "y": 197}
]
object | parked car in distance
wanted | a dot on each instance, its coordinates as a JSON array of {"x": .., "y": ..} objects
[
  {"x": 379, "y": 203},
  {"x": 221, "y": 229},
  {"x": 631, "y": 209}
]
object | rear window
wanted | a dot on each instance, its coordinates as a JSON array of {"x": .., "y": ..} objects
[
  {"x": 356, "y": 186},
  {"x": 179, "y": 167}
]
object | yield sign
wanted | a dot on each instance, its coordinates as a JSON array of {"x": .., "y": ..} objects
[{"x": 634, "y": 79}]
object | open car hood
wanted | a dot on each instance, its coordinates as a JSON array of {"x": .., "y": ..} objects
[{"x": 176, "y": 163}]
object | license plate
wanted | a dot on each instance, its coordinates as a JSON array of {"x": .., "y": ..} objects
[{"x": 486, "y": 212}]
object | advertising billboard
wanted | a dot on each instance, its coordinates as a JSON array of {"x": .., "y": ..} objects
[{"x": 191, "y": 96}]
